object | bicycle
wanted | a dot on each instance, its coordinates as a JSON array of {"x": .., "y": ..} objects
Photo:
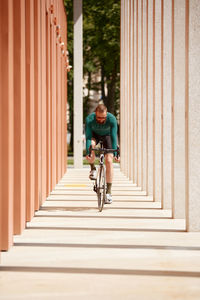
[{"x": 100, "y": 182}]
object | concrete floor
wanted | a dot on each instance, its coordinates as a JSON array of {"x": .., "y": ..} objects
[{"x": 131, "y": 250}]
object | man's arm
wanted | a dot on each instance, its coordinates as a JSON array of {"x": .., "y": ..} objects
[
  {"x": 88, "y": 134},
  {"x": 114, "y": 133}
]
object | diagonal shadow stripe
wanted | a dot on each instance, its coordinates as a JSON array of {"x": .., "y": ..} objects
[
  {"x": 99, "y": 271},
  {"x": 70, "y": 245},
  {"x": 104, "y": 229}
]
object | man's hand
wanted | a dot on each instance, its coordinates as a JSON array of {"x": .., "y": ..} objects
[
  {"x": 117, "y": 159},
  {"x": 90, "y": 159}
]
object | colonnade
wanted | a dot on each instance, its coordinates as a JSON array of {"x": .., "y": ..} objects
[
  {"x": 33, "y": 96},
  {"x": 160, "y": 102}
]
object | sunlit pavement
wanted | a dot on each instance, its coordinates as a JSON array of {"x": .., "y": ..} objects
[{"x": 131, "y": 250}]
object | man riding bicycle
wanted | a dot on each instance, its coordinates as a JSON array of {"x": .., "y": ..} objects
[{"x": 102, "y": 125}]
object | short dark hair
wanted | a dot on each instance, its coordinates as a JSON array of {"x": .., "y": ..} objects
[{"x": 101, "y": 108}]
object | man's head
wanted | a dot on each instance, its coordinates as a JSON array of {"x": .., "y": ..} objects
[{"x": 101, "y": 113}]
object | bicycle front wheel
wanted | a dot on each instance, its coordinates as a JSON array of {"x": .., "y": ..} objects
[{"x": 101, "y": 190}]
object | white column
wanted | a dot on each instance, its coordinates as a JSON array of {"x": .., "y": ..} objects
[
  {"x": 167, "y": 90},
  {"x": 131, "y": 92},
  {"x": 139, "y": 111},
  {"x": 145, "y": 98},
  {"x": 179, "y": 109},
  {"x": 122, "y": 90},
  {"x": 78, "y": 85},
  {"x": 157, "y": 100},
  {"x": 193, "y": 100},
  {"x": 135, "y": 94},
  {"x": 150, "y": 96}
]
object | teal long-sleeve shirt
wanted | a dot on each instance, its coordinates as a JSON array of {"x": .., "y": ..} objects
[{"x": 107, "y": 128}]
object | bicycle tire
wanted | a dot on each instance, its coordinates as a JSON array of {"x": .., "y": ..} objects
[{"x": 101, "y": 192}]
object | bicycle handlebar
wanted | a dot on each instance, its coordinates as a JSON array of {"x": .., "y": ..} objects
[{"x": 104, "y": 150}]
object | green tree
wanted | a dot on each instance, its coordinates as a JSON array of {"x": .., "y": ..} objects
[
  {"x": 101, "y": 51},
  {"x": 101, "y": 36}
]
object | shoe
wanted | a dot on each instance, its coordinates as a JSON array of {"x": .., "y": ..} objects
[
  {"x": 93, "y": 174},
  {"x": 108, "y": 199}
]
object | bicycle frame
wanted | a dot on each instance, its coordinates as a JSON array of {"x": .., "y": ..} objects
[{"x": 100, "y": 182}]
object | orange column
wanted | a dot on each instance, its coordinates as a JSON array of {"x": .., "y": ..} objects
[
  {"x": 30, "y": 111},
  {"x": 48, "y": 97},
  {"x": 62, "y": 113},
  {"x": 65, "y": 117},
  {"x": 59, "y": 112},
  {"x": 1, "y": 175},
  {"x": 19, "y": 118},
  {"x": 43, "y": 100},
  {"x": 54, "y": 101},
  {"x": 57, "y": 119},
  {"x": 7, "y": 123},
  {"x": 37, "y": 101}
]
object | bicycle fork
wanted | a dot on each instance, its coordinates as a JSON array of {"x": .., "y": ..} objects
[{"x": 95, "y": 184}]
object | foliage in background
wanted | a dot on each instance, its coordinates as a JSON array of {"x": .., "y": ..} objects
[
  {"x": 101, "y": 51},
  {"x": 101, "y": 38},
  {"x": 69, "y": 10}
]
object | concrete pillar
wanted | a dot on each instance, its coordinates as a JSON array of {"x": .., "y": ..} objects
[
  {"x": 126, "y": 90},
  {"x": 157, "y": 101},
  {"x": 78, "y": 85},
  {"x": 59, "y": 109},
  {"x": 54, "y": 102},
  {"x": 51, "y": 98},
  {"x": 167, "y": 98},
  {"x": 122, "y": 88},
  {"x": 62, "y": 118},
  {"x": 30, "y": 112},
  {"x": 179, "y": 109},
  {"x": 1, "y": 128},
  {"x": 129, "y": 89},
  {"x": 51, "y": 147},
  {"x": 43, "y": 96},
  {"x": 140, "y": 94},
  {"x": 48, "y": 103},
  {"x": 7, "y": 124},
  {"x": 57, "y": 116},
  {"x": 192, "y": 106},
  {"x": 1, "y": 158},
  {"x": 38, "y": 104},
  {"x": 145, "y": 95},
  {"x": 56, "y": 93},
  {"x": 150, "y": 98},
  {"x": 136, "y": 89},
  {"x": 19, "y": 118},
  {"x": 133, "y": 94},
  {"x": 131, "y": 158}
]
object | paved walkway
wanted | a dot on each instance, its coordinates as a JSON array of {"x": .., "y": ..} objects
[{"x": 132, "y": 250}]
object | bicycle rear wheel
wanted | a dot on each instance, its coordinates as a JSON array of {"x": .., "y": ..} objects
[{"x": 101, "y": 190}]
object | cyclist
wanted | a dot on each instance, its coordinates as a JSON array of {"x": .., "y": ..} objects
[{"x": 102, "y": 125}]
